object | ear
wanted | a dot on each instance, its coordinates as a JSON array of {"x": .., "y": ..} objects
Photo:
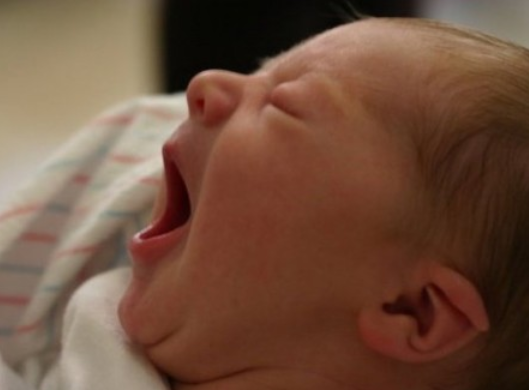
[{"x": 438, "y": 315}]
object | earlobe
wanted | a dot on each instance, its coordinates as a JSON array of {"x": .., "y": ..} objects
[{"x": 442, "y": 313}]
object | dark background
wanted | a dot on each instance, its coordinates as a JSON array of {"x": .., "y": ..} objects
[{"x": 236, "y": 34}]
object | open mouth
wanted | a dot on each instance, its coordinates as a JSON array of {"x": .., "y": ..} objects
[{"x": 177, "y": 204}]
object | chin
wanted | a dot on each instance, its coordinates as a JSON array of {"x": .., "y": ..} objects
[{"x": 132, "y": 321}]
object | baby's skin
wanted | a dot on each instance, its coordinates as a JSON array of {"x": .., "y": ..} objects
[{"x": 279, "y": 256}]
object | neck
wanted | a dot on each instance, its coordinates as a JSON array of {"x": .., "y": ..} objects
[{"x": 269, "y": 379}]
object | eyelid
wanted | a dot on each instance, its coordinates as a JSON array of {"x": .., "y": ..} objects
[{"x": 282, "y": 97}]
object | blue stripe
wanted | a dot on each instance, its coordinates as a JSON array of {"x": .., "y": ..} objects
[
  {"x": 123, "y": 255},
  {"x": 118, "y": 214},
  {"x": 135, "y": 216},
  {"x": 66, "y": 163},
  {"x": 52, "y": 288},
  {"x": 6, "y": 332},
  {"x": 50, "y": 325},
  {"x": 24, "y": 269},
  {"x": 58, "y": 208},
  {"x": 63, "y": 164}
]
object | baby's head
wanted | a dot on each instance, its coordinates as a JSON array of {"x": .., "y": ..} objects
[{"x": 350, "y": 216}]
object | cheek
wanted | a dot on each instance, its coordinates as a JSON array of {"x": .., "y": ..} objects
[{"x": 246, "y": 200}]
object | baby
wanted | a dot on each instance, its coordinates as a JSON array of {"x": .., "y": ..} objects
[{"x": 353, "y": 215}]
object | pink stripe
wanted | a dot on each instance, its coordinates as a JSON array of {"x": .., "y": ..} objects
[
  {"x": 20, "y": 211},
  {"x": 159, "y": 113},
  {"x": 81, "y": 179},
  {"x": 27, "y": 328},
  {"x": 81, "y": 211},
  {"x": 38, "y": 237},
  {"x": 125, "y": 158},
  {"x": 77, "y": 250},
  {"x": 125, "y": 119},
  {"x": 115, "y": 120},
  {"x": 150, "y": 181},
  {"x": 13, "y": 300}
]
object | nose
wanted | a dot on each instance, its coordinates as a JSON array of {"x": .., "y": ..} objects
[{"x": 213, "y": 95}]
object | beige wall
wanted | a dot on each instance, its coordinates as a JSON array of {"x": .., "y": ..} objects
[{"x": 61, "y": 62}]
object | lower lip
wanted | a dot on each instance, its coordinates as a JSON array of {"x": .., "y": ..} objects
[{"x": 151, "y": 250}]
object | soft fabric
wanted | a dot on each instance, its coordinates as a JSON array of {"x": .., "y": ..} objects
[
  {"x": 95, "y": 353},
  {"x": 71, "y": 221}
]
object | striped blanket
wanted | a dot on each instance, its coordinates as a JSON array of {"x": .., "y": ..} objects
[{"x": 72, "y": 221}]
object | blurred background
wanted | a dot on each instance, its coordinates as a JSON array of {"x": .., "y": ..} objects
[{"x": 63, "y": 61}]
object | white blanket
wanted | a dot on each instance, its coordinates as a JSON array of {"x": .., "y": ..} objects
[
  {"x": 70, "y": 222},
  {"x": 95, "y": 352}
]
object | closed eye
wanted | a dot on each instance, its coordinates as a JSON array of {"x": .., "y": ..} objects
[
  {"x": 281, "y": 117},
  {"x": 283, "y": 100}
]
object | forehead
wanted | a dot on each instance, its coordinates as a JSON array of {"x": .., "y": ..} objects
[
  {"x": 372, "y": 55},
  {"x": 380, "y": 64},
  {"x": 349, "y": 45}
]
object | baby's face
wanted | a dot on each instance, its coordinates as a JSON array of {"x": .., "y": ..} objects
[{"x": 283, "y": 192}]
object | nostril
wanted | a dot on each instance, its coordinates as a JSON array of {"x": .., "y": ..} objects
[
  {"x": 200, "y": 105},
  {"x": 214, "y": 95},
  {"x": 216, "y": 106}
]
